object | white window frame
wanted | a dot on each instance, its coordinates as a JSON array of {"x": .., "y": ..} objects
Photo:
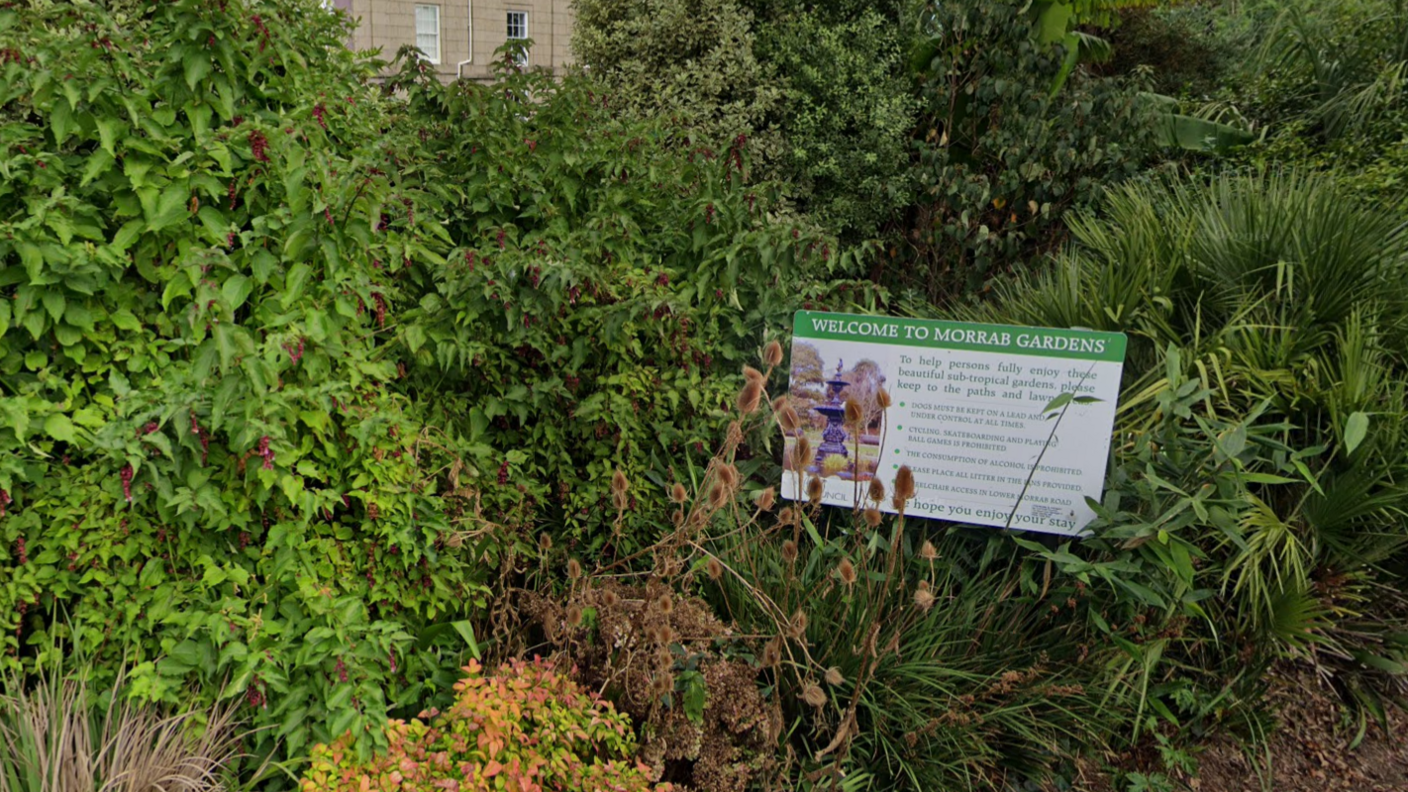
[
  {"x": 433, "y": 57},
  {"x": 524, "y": 28}
]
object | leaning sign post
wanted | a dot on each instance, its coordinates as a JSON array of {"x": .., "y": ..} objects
[{"x": 1001, "y": 425}]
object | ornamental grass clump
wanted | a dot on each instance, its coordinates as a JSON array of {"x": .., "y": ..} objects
[
  {"x": 57, "y": 736},
  {"x": 524, "y": 727}
]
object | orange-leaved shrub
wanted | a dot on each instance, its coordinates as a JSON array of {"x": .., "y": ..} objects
[{"x": 523, "y": 729}]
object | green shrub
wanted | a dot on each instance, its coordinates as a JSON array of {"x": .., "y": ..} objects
[
  {"x": 692, "y": 62},
  {"x": 206, "y": 461},
  {"x": 848, "y": 113},
  {"x": 821, "y": 90},
  {"x": 1259, "y": 489},
  {"x": 523, "y": 728},
  {"x": 1003, "y": 156},
  {"x": 608, "y": 278},
  {"x": 1329, "y": 84}
]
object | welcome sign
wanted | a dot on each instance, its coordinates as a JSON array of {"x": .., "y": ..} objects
[{"x": 1001, "y": 425}]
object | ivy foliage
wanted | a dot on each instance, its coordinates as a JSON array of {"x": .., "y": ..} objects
[{"x": 206, "y": 462}]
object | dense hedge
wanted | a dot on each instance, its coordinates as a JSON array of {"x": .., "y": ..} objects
[
  {"x": 286, "y": 362},
  {"x": 206, "y": 461}
]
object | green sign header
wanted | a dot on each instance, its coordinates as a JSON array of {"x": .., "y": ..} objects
[{"x": 1000, "y": 339}]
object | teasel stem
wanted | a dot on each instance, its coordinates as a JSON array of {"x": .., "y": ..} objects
[{"x": 855, "y": 479}]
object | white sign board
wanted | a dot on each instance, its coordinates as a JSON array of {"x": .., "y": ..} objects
[{"x": 1001, "y": 425}]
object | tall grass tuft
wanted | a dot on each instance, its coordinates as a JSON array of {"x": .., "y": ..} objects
[{"x": 57, "y": 736}]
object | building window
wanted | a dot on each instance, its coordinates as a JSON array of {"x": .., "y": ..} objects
[
  {"x": 428, "y": 31},
  {"x": 518, "y": 29}
]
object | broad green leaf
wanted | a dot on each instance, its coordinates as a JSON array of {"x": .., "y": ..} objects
[
  {"x": 32, "y": 259},
  {"x": 171, "y": 207},
  {"x": 1355, "y": 430},
  {"x": 466, "y": 631},
  {"x": 297, "y": 276},
  {"x": 197, "y": 67},
  {"x": 54, "y": 302},
  {"x": 125, "y": 320},
  {"x": 235, "y": 290},
  {"x": 1053, "y": 18},
  {"x": 128, "y": 234},
  {"x": 108, "y": 130},
  {"x": 61, "y": 122},
  {"x": 59, "y": 427},
  {"x": 98, "y": 163},
  {"x": 215, "y": 224},
  {"x": 67, "y": 335}
]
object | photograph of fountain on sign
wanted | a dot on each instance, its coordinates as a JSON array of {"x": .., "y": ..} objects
[{"x": 824, "y": 377}]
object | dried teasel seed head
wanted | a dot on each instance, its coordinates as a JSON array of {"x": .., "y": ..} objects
[
  {"x": 904, "y": 485},
  {"x": 715, "y": 568},
  {"x": 661, "y": 686},
  {"x": 729, "y": 474},
  {"x": 772, "y": 354},
  {"x": 882, "y": 399},
  {"x": 872, "y": 518},
  {"x": 734, "y": 434},
  {"x": 789, "y": 551},
  {"x": 609, "y": 599},
  {"x": 619, "y": 484},
  {"x": 678, "y": 517},
  {"x": 814, "y": 695},
  {"x": 787, "y": 419},
  {"x": 665, "y": 605},
  {"x": 846, "y": 571},
  {"x": 854, "y": 412},
  {"x": 665, "y": 634},
  {"x": 678, "y": 493},
  {"x": 767, "y": 499},
  {"x": 456, "y": 541},
  {"x": 877, "y": 490},
  {"x": 786, "y": 516},
  {"x": 923, "y": 597},
  {"x": 718, "y": 495},
  {"x": 833, "y": 676},
  {"x": 574, "y": 616},
  {"x": 620, "y": 501},
  {"x": 749, "y": 397},
  {"x": 753, "y": 375},
  {"x": 772, "y": 654},
  {"x": 799, "y": 623},
  {"x": 815, "y": 489},
  {"x": 544, "y": 542},
  {"x": 801, "y": 454},
  {"x": 574, "y": 569},
  {"x": 927, "y": 551}
]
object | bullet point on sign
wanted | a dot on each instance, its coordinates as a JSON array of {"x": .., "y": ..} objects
[{"x": 897, "y": 450}]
